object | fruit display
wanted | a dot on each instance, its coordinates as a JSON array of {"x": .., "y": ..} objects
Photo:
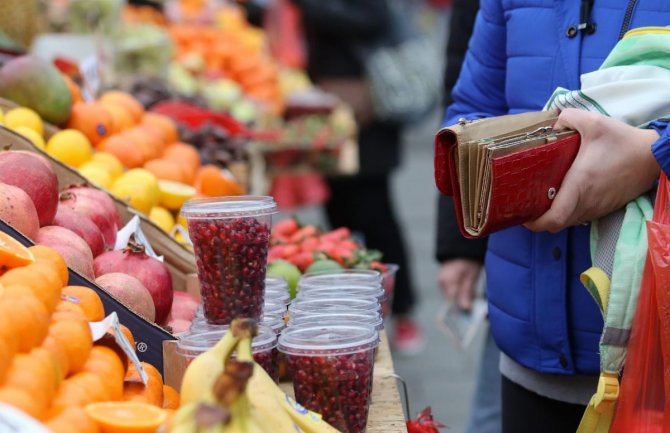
[
  {"x": 230, "y": 238},
  {"x": 50, "y": 368}
]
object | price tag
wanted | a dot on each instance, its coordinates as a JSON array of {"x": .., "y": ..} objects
[
  {"x": 99, "y": 330},
  {"x": 13, "y": 420},
  {"x": 134, "y": 228},
  {"x": 90, "y": 73}
]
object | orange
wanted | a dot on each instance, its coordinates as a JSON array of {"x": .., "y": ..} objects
[
  {"x": 49, "y": 256},
  {"x": 59, "y": 353},
  {"x": 75, "y": 91},
  {"x": 22, "y": 399},
  {"x": 42, "y": 278},
  {"x": 34, "y": 374},
  {"x": 135, "y": 390},
  {"x": 46, "y": 298},
  {"x": 148, "y": 146},
  {"x": 124, "y": 149},
  {"x": 13, "y": 253},
  {"x": 75, "y": 336},
  {"x": 93, "y": 120},
  {"x": 67, "y": 306},
  {"x": 121, "y": 118},
  {"x": 126, "y": 417},
  {"x": 165, "y": 169},
  {"x": 92, "y": 383},
  {"x": 107, "y": 365},
  {"x": 7, "y": 351},
  {"x": 26, "y": 316},
  {"x": 170, "y": 397},
  {"x": 164, "y": 123},
  {"x": 127, "y": 333},
  {"x": 131, "y": 104},
  {"x": 72, "y": 419},
  {"x": 88, "y": 300},
  {"x": 211, "y": 182},
  {"x": 186, "y": 156},
  {"x": 79, "y": 390}
]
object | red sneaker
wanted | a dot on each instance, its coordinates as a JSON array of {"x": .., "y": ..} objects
[{"x": 407, "y": 338}]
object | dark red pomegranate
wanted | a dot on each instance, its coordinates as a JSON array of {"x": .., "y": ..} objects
[
  {"x": 231, "y": 255},
  {"x": 83, "y": 226},
  {"x": 91, "y": 207},
  {"x": 153, "y": 274},
  {"x": 102, "y": 198},
  {"x": 269, "y": 360},
  {"x": 336, "y": 386}
]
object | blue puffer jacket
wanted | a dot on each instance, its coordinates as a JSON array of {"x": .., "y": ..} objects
[{"x": 521, "y": 50}]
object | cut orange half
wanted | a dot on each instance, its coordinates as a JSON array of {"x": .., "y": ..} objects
[
  {"x": 12, "y": 253},
  {"x": 126, "y": 416}
]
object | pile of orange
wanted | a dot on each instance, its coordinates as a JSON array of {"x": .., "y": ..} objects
[{"x": 50, "y": 368}]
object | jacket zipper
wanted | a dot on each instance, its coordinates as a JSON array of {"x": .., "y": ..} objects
[{"x": 627, "y": 18}]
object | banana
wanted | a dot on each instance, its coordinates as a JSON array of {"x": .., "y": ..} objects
[
  {"x": 184, "y": 421},
  {"x": 204, "y": 369}
]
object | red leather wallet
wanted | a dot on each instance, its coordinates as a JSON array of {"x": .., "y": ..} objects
[{"x": 503, "y": 171}]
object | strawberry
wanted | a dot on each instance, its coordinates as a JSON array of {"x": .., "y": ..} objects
[
  {"x": 309, "y": 245},
  {"x": 303, "y": 233},
  {"x": 290, "y": 251},
  {"x": 339, "y": 234},
  {"x": 275, "y": 252},
  {"x": 303, "y": 260},
  {"x": 379, "y": 266},
  {"x": 349, "y": 244},
  {"x": 286, "y": 228}
]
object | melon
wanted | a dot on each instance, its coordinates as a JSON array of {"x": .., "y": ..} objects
[{"x": 35, "y": 83}]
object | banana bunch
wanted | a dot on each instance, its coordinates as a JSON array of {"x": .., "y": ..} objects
[{"x": 220, "y": 395}]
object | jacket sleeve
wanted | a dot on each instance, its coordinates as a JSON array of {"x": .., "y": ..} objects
[
  {"x": 450, "y": 242},
  {"x": 461, "y": 24},
  {"x": 661, "y": 149},
  {"x": 480, "y": 89},
  {"x": 360, "y": 18}
]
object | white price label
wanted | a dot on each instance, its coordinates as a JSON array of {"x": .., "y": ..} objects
[{"x": 13, "y": 420}]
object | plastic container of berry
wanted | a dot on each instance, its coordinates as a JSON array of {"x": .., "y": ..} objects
[
  {"x": 345, "y": 276},
  {"x": 277, "y": 324},
  {"x": 277, "y": 295},
  {"x": 332, "y": 370},
  {"x": 273, "y": 308},
  {"x": 331, "y": 304},
  {"x": 342, "y": 291},
  {"x": 230, "y": 238},
  {"x": 276, "y": 283},
  {"x": 263, "y": 346}
]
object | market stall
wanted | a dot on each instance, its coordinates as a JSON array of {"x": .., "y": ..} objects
[{"x": 145, "y": 152}]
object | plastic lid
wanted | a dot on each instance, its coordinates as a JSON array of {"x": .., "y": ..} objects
[
  {"x": 274, "y": 309},
  {"x": 241, "y": 206},
  {"x": 280, "y": 296},
  {"x": 344, "y": 305},
  {"x": 277, "y": 324},
  {"x": 275, "y": 282},
  {"x": 310, "y": 319},
  {"x": 345, "y": 276},
  {"x": 333, "y": 338},
  {"x": 313, "y": 292},
  {"x": 195, "y": 343}
]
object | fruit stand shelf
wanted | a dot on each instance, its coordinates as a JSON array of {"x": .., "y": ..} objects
[{"x": 386, "y": 413}]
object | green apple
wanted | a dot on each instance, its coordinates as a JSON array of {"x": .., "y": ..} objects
[
  {"x": 324, "y": 266},
  {"x": 287, "y": 271}
]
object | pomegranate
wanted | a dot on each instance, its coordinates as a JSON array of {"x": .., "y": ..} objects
[
  {"x": 130, "y": 292},
  {"x": 34, "y": 175},
  {"x": 82, "y": 226},
  {"x": 177, "y": 326},
  {"x": 73, "y": 248},
  {"x": 183, "y": 307},
  {"x": 102, "y": 198},
  {"x": 231, "y": 255},
  {"x": 94, "y": 210},
  {"x": 18, "y": 210},
  {"x": 153, "y": 274}
]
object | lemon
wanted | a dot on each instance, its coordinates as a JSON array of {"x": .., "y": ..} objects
[
  {"x": 182, "y": 240},
  {"x": 2, "y": 118},
  {"x": 31, "y": 135},
  {"x": 70, "y": 147},
  {"x": 174, "y": 194},
  {"x": 139, "y": 188},
  {"x": 182, "y": 222},
  {"x": 114, "y": 166},
  {"x": 98, "y": 176},
  {"x": 162, "y": 218},
  {"x": 23, "y": 116}
]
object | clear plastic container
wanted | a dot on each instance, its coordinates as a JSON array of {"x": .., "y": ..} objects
[
  {"x": 332, "y": 370},
  {"x": 274, "y": 310},
  {"x": 388, "y": 282},
  {"x": 278, "y": 295},
  {"x": 348, "y": 291},
  {"x": 343, "y": 305},
  {"x": 277, "y": 324},
  {"x": 310, "y": 319},
  {"x": 345, "y": 276},
  {"x": 263, "y": 346},
  {"x": 276, "y": 283},
  {"x": 230, "y": 239}
]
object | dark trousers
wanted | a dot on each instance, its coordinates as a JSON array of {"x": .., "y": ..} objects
[
  {"x": 526, "y": 412},
  {"x": 363, "y": 203}
]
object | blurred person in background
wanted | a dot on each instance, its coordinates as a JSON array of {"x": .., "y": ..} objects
[
  {"x": 334, "y": 30},
  {"x": 461, "y": 260},
  {"x": 542, "y": 318}
]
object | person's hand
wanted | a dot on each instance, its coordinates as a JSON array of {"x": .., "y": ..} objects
[
  {"x": 457, "y": 279},
  {"x": 614, "y": 165}
]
